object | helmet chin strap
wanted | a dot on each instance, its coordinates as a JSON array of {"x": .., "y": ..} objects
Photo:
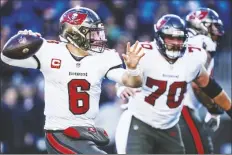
[
  {"x": 63, "y": 39},
  {"x": 75, "y": 45},
  {"x": 91, "y": 52}
]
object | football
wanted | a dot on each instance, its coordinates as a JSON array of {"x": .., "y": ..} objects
[{"x": 22, "y": 46}]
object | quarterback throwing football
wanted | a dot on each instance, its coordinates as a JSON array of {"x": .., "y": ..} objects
[{"x": 73, "y": 71}]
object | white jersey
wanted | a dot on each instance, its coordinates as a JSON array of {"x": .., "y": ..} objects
[
  {"x": 72, "y": 88},
  {"x": 200, "y": 40},
  {"x": 159, "y": 104},
  {"x": 205, "y": 42}
]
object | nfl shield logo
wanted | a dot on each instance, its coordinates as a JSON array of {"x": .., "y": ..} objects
[{"x": 78, "y": 65}]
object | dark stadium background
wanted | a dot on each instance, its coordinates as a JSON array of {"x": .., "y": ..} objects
[{"x": 22, "y": 95}]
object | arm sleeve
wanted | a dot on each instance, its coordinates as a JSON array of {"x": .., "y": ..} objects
[
  {"x": 113, "y": 62},
  {"x": 210, "y": 67},
  {"x": 202, "y": 56},
  {"x": 201, "y": 60},
  {"x": 31, "y": 62},
  {"x": 116, "y": 75},
  {"x": 209, "y": 45},
  {"x": 199, "y": 70}
]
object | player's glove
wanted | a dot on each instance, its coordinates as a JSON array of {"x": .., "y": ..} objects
[{"x": 212, "y": 121}]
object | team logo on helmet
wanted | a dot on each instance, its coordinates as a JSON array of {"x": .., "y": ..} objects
[
  {"x": 199, "y": 14},
  {"x": 160, "y": 24},
  {"x": 74, "y": 18}
]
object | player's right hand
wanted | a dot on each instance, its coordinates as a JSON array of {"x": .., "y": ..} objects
[
  {"x": 133, "y": 55},
  {"x": 29, "y": 32},
  {"x": 128, "y": 92},
  {"x": 212, "y": 121},
  {"x": 22, "y": 45}
]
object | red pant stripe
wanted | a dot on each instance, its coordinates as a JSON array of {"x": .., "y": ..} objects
[
  {"x": 55, "y": 144},
  {"x": 193, "y": 129}
]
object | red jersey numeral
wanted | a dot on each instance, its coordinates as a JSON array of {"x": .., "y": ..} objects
[
  {"x": 162, "y": 85},
  {"x": 78, "y": 101},
  {"x": 147, "y": 46},
  {"x": 172, "y": 102},
  {"x": 192, "y": 49}
]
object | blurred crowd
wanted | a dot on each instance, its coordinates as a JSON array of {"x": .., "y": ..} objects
[{"x": 22, "y": 91}]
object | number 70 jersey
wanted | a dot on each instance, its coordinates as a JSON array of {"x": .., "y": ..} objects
[{"x": 159, "y": 104}]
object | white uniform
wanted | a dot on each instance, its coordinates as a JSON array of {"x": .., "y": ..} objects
[
  {"x": 72, "y": 88},
  {"x": 198, "y": 40},
  {"x": 159, "y": 104}
]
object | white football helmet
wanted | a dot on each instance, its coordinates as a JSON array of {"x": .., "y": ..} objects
[{"x": 83, "y": 28}]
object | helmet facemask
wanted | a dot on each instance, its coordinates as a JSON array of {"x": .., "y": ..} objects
[
  {"x": 92, "y": 40},
  {"x": 207, "y": 22},
  {"x": 173, "y": 46},
  {"x": 97, "y": 39},
  {"x": 170, "y": 36},
  {"x": 171, "y": 43},
  {"x": 216, "y": 31},
  {"x": 82, "y": 27}
]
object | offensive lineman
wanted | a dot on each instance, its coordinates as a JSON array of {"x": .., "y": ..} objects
[
  {"x": 73, "y": 72},
  {"x": 204, "y": 30},
  {"x": 150, "y": 123}
]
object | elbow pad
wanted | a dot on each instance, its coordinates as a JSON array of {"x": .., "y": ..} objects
[{"x": 212, "y": 89}]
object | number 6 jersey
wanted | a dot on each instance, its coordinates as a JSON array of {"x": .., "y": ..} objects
[
  {"x": 72, "y": 88},
  {"x": 159, "y": 104}
]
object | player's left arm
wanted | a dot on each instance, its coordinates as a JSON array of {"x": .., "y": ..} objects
[
  {"x": 211, "y": 88},
  {"x": 212, "y": 108},
  {"x": 212, "y": 118},
  {"x": 125, "y": 77}
]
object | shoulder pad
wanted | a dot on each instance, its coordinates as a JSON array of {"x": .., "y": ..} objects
[
  {"x": 197, "y": 54},
  {"x": 209, "y": 45}
]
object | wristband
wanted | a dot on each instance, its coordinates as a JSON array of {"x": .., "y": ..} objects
[{"x": 134, "y": 72}]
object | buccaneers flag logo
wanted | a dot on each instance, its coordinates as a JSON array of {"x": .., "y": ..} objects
[
  {"x": 199, "y": 14},
  {"x": 160, "y": 24},
  {"x": 74, "y": 18}
]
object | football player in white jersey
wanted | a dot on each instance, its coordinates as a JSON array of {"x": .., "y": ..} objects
[
  {"x": 204, "y": 29},
  {"x": 73, "y": 72},
  {"x": 150, "y": 124}
]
